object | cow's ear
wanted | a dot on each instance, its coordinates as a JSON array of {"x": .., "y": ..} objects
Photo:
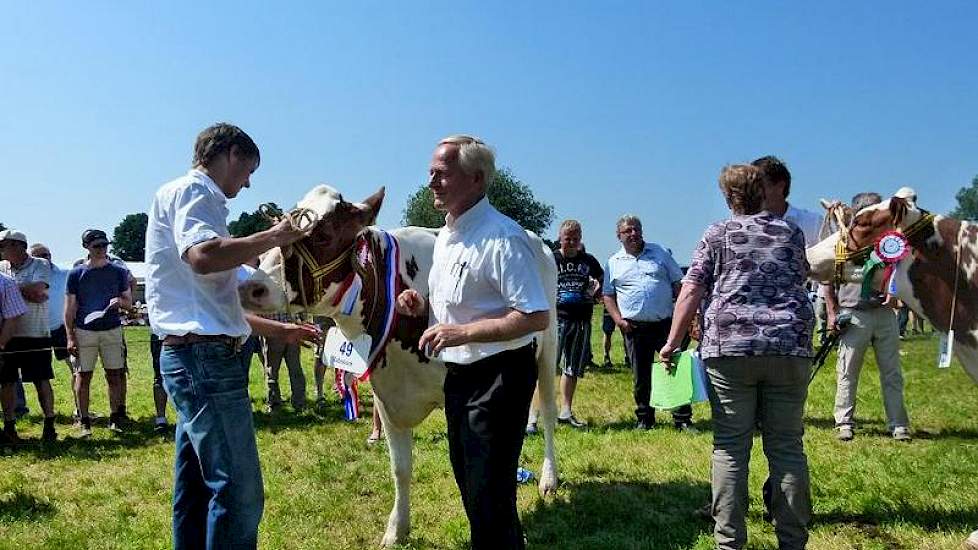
[
  {"x": 373, "y": 202},
  {"x": 898, "y": 209}
]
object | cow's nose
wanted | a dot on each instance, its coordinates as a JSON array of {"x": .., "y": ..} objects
[{"x": 258, "y": 292}]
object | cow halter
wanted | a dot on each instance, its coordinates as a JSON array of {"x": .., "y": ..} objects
[{"x": 843, "y": 255}]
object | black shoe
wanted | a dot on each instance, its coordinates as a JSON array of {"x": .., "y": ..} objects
[
  {"x": 49, "y": 435},
  {"x": 572, "y": 421},
  {"x": 162, "y": 429},
  {"x": 116, "y": 423},
  {"x": 644, "y": 425}
]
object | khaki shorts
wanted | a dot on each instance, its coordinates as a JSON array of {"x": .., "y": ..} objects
[{"x": 108, "y": 344}]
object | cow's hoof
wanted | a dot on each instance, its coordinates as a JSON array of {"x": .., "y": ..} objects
[
  {"x": 391, "y": 538},
  {"x": 548, "y": 485}
]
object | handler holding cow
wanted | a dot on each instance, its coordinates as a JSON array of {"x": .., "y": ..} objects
[
  {"x": 191, "y": 291},
  {"x": 486, "y": 301}
]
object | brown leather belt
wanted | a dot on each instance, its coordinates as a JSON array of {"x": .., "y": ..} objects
[{"x": 192, "y": 338}]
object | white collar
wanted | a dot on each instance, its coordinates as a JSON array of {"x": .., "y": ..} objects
[
  {"x": 201, "y": 176},
  {"x": 624, "y": 253},
  {"x": 470, "y": 217}
]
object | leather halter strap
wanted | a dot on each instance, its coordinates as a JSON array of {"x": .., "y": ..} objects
[{"x": 843, "y": 255}]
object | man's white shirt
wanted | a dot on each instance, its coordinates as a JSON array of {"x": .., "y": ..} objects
[
  {"x": 809, "y": 222},
  {"x": 187, "y": 211},
  {"x": 483, "y": 265}
]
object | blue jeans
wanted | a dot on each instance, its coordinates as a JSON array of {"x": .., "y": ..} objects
[{"x": 218, "y": 495}]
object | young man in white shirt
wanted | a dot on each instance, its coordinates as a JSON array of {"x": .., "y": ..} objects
[
  {"x": 486, "y": 301},
  {"x": 191, "y": 291}
]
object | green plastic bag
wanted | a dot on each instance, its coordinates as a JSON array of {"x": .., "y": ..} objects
[{"x": 676, "y": 388}]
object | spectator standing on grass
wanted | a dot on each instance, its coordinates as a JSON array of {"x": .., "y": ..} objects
[
  {"x": 31, "y": 337},
  {"x": 12, "y": 306},
  {"x": 98, "y": 288},
  {"x": 640, "y": 282},
  {"x": 274, "y": 352},
  {"x": 486, "y": 300},
  {"x": 748, "y": 273},
  {"x": 873, "y": 323},
  {"x": 192, "y": 294},
  {"x": 56, "y": 307},
  {"x": 578, "y": 282}
]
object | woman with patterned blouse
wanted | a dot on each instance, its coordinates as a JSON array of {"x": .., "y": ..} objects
[{"x": 747, "y": 278}]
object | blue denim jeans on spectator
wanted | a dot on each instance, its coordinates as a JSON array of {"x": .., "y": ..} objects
[{"x": 218, "y": 495}]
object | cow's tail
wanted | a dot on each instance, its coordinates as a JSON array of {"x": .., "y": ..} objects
[{"x": 546, "y": 378}]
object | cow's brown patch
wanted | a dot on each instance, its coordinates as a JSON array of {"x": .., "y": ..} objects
[{"x": 932, "y": 274}]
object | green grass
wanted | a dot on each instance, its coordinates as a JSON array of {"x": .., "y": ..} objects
[{"x": 619, "y": 488}]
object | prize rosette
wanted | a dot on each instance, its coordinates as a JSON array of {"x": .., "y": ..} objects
[{"x": 892, "y": 247}]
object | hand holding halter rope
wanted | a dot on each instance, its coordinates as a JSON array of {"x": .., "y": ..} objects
[{"x": 304, "y": 219}]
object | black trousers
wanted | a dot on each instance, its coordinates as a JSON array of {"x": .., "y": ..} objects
[
  {"x": 641, "y": 344},
  {"x": 486, "y": 407}
]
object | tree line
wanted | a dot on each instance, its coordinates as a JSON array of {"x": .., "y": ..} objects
[{"x": 507, "y": 193}]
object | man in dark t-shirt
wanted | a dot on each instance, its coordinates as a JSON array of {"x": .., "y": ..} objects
[
  {"x": 96, "y": 290},
  {"x": 579, "y": 277}
]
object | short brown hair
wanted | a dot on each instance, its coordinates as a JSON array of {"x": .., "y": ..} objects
[
  {"x": 743, "y": 187},
  {"x": 775, "y": 170},
  {"x": 218, "y": 139}
]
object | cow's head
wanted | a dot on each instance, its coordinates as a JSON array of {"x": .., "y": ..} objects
[
  {"x": 286, "y": 277},
  {"x": 865, "y": 228}
]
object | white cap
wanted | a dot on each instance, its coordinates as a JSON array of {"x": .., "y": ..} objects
[
  {"x": 11, "y": 235},
  {"x": 906, "y": 193}
]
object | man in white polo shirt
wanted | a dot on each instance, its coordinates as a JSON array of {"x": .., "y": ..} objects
[
  {"x": 191, "y": 292},
  {"x": 486, "y": 301}
]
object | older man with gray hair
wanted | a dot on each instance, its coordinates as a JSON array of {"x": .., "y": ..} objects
[
  {"x": 641, "y": 281},
  {"x": 486, "y": 299}
]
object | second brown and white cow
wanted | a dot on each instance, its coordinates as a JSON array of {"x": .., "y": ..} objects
[
  {"x": 343, "y": 253},
  {"x": 943, "y": 263}
]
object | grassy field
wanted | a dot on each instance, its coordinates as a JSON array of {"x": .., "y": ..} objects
[{"x": 325, "y": 488}]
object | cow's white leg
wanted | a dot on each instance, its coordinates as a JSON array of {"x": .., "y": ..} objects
[
  {"x": 399, "y": 442},
  {"x": 968, "y": 357},
  {"x": 546, "y": 365}
]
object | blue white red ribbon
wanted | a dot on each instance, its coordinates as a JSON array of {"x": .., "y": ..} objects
[
  {"x": 390, "y": 275},
  {"x": 346, "y": 386}
]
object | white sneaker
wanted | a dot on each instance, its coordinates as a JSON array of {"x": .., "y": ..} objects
[
  {"x": 845, "y": 433},
  {"x": 901, "y": 433}
]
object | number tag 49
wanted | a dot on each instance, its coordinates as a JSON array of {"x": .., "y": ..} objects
[{"x": 344, "y": 354}]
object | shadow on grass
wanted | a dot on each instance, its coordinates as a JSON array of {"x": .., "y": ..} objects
[
  {"x": 620, "y": 515},
  {"x": 663, "y": 422},
  {"x": 23, "y": 506},
  {"x": 877, "y": 428},
  {"x": 927, "y": 519}
]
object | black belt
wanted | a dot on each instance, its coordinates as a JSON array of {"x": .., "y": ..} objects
[{"x": 192, "y": 338}]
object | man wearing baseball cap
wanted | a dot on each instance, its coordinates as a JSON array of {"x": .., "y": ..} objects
[
  {"x": 31, "y": 341},
  {"x": 96, "y": 290}
]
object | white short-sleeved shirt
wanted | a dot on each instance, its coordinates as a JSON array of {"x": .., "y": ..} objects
[
  {"x": 809, "y": 222},
  {"x": 56, "y": 297},
  {"x": 34, "y": 324},
  {"x": 188, "y": 211},
  {"x": 483, "y": 266},
  {"x": 642, "y": 285}
]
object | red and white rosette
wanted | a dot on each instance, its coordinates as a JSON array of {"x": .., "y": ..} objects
[{"x": 892, "y": 247}]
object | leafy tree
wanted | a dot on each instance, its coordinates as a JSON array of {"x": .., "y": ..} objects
[
  {"x": 249, "y": 223},
  {"x": 2, "y": 227},
  {"x": 507, "y": 193},
  {"x": 129, "y": 238},
  {"x": 967, "y": 202}
]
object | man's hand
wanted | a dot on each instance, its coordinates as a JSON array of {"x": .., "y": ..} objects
[
  {"x": 292, "y": 333},
  {"x": 443, "y": 336},
  {"x": 832, "y": 320},
  {"x": 36, "y": 293},
  {"x": 113, "y": 303},
  {"x": 624, "y": 325},
  {"x": 410, "y": 303},
  {"x": 72, "y": 345},
  {"x": 283, "y": 234},
  {"x": 668, "y": 354}
]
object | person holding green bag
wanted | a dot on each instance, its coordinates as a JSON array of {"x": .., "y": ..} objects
[{"x": 749, "y": 272}]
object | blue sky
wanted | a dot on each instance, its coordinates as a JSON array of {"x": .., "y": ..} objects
[{"x": 602, "y": 108}]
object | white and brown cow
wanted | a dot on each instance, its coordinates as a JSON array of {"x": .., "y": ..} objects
[
  {"x": 925, "y": 280},
  {"x": 407, "y": 384}
]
